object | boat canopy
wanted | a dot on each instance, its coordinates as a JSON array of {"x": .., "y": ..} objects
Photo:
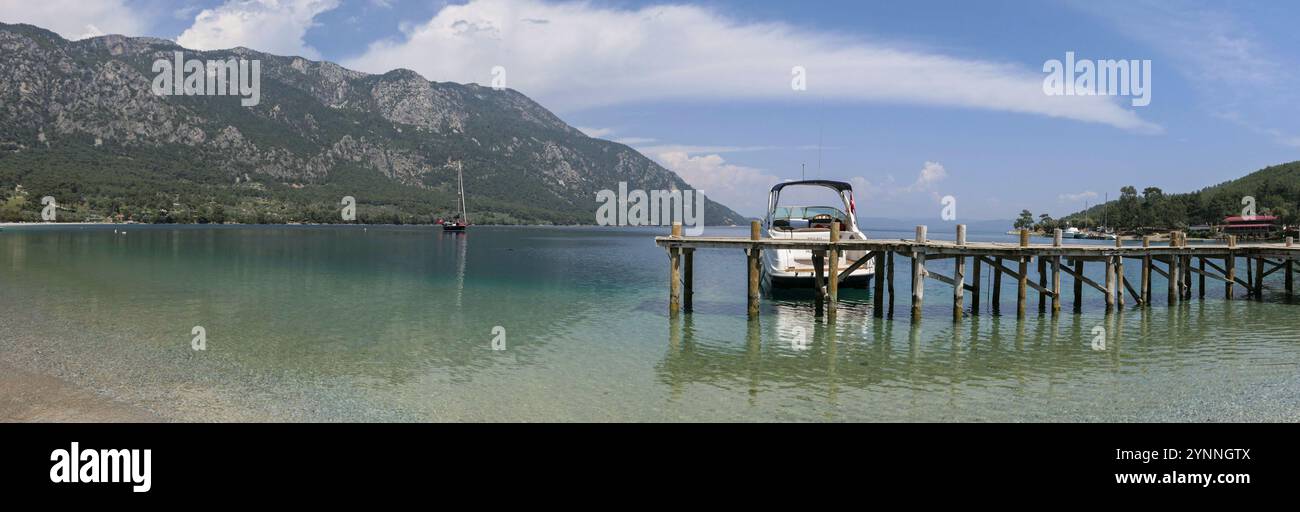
[{"x": 839, "y": 186}]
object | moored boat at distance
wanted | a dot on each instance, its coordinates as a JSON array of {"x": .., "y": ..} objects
[
  {"x": 793, "y": 268},
  {"x": 461, "y": 221}
]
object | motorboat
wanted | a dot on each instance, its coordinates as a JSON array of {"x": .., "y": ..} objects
[{"x": 793, "y": 268}]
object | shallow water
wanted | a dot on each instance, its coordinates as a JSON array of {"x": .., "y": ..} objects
[{"x": 345, "y": 323}]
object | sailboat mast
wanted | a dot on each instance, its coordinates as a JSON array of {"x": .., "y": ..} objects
[{"x": 460, "y": 180}]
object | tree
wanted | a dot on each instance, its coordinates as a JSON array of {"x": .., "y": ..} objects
[
  {"x": 12, "y": 210},
  {"x": 1025, "y": 221}
]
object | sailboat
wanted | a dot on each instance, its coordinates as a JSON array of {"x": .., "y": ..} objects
[{"x": 462, "y": 220}]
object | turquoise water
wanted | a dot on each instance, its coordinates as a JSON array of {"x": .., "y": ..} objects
[{"x": 345, "y": 323}]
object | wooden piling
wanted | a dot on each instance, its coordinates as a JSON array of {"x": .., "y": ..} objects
[
  {"x": 1230, "y": 270},
  {"x": 1182, "y": 260},
  {"x": 1146, "y": 273},
  {"x": 1259, "y": 278},
  {"x": 878, "y": 291},
  {"x": 918, "y": 274},
  {"x": 996, "y": 298},
  {"x": 1078, "y": 285},
  {"x": 819, "y": 282},
  {"x": 1201, "y": 281},
  {"x": 833, "y": 272},
  {"x": 1289, "y": 279},
  {"x": 688, "y": 279},
  {"x": 1119, "y": 275},
  {"x": 959, "y": 277},
  {"x": 1022, "y": 284},
  {"x": 1173, "y": 274},
  {"x": 1110, "y": 283},
  {"x": 754, "y": 266},
  {"x": 1056, "y": 274},
  {"x": 889, "y": 276},
  {"x": 1042, "y": 285},
  {"x": 1250, "y": 277},
  {"x": 975, "y": 286},
  {"x": 674, "y": 274}
]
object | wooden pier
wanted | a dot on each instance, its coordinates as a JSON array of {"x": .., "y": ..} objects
[{"x": 1213, "y": 261}]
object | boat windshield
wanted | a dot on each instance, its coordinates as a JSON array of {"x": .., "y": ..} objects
[
  {"x": 795, "y": 218},
  {"x": 806, "y": 212}
]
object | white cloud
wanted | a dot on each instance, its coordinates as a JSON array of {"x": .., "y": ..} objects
[
  {"x": 587, "y": 55},
  {"x": 931, "y": 174},
  {"x": 1074, "y": 198},
  {"x": 76, "y": 19},
  {"x": 272, "y": 26},
  {"x": 744, "y": 189},
  {"x": 1236, "y": 72}
]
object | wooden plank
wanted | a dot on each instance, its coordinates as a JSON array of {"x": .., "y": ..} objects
[
  {"x": 1157, "y": 270},
  {"x": 975, "y": 286},
  {"x": 1016, "y": 275},
  {"x": 848, "y": 271},
  {"x": 1137, "y": 298},
  {"x": 945, "y": 279},
  {"x": 1080, "y": 280},
  {"x": 938, "y": 248},
  {"x": 1204, "y": 274},
  {"x": 1276, "y": 266}
]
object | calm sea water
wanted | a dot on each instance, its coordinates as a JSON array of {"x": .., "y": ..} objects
[{"x": 397, "y": 324}]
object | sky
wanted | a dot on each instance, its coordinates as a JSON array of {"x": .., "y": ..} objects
[{"x": 909, "y": 101}]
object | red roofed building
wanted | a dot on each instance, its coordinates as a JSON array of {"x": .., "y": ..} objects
[{"x": 1251, "y": 226}]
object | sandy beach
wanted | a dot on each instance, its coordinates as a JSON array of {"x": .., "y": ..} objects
[{"x": 31, "y": 397}]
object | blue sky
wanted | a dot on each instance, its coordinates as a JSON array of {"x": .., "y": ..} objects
[{"x": 911, "y": 101}]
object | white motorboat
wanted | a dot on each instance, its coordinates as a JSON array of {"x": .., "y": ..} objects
[{"x": 793, "y": 268}]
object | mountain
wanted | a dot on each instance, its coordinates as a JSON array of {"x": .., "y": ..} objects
[
  {"x": 80, "y": 122},
  {"x": 1275, "y": 190}
]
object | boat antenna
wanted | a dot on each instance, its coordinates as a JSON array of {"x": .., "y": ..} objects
[
  {"x": 821, "y": 128},
  {"x": 803, "y": 171}
]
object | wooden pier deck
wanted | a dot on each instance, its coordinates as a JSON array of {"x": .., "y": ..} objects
[{"x": 1176, "y": 258}]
